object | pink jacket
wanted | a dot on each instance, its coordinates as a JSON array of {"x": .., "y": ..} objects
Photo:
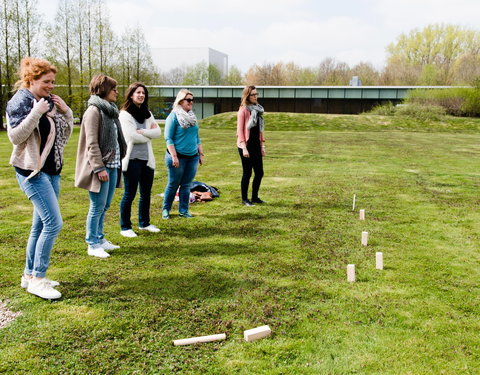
[{"x": 243, "y": 134}]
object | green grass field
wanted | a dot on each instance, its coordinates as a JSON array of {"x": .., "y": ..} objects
[{"x": 283, "y": 264}]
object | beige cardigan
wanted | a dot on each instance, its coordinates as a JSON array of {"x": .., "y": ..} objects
[
  {"x": 129, "y": 129},
  {"x": 25, "y": 138},
  {"x": 89, "y": 156}
]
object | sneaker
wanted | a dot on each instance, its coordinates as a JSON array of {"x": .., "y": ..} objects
[
  {"x": 151, "y": 228},
  {"x": 257, "y": 200},
  {"x": 128, "y": 233},
  {"x": 165, "y": 215},
  {"x": 98, "y": 252},
  {"x": 247, "y": 203},
  {"x": 43, "y": 289},
  {"x": 26, "y": 280},
  {"x": 185, "y": 215},
  {"x": 107, "y": 245}
]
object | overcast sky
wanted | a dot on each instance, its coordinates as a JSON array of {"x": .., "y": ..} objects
[{"x": 269, "y": 31}]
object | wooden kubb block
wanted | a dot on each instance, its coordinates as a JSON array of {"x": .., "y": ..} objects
[
  {"x": 257, "y": 333},
  {"x": 362, "y": 215},
  {"x": 351, "y": 273},
  {"x": 200, "y": 339},
  {"x": 364, "y": 238}
]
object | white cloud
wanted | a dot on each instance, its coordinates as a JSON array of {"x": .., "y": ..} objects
[{"x": 303, "y": 31}]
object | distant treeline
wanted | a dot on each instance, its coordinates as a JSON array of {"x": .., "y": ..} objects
[{"x": 80, "y": 42}]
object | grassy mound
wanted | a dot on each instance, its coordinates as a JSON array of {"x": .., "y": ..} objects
[
  {"x": 365, "y": 122},
  {"x": 283, "y": 264}
]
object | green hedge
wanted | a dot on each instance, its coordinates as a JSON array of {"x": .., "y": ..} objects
[{"x": 457, "y": 101}]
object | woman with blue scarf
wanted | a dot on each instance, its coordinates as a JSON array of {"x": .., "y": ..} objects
[
  {"x": 39, "y": 124},
  {"x": 101, "y": 148}
]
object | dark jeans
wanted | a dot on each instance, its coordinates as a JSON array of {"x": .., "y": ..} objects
[
  {"x": 255, "y": 163},
  {"x": 137, "y": 174}
]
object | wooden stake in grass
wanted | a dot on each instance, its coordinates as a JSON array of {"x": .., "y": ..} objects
[
  {"x": 354, "y": 197},
  {"x": 196, "y": 340},
  {"x": 351, "y": 273},
  {"x": 379, "y": 260},
  {"x": 257, "y": 333},
  {"x": 364, "y": 238},
  {"x": 362, "y": 214}
]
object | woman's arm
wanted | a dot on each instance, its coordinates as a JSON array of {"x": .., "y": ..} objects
[
  {"x": 22, "y": 131},
  {"x": 241, "y": 131},
  {"x": 153, "y": 130},
  {"x": 91, "y": 123},
  {"x": 129, "y": 129},
  {"x": 200, "y": 154},
  {"x": 169, "y": 137}
]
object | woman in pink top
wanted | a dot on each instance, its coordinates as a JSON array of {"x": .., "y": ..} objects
[{"x": 250, "y": 143}]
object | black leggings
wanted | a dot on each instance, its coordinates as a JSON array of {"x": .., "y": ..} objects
[{"x": 255, "y": 162}]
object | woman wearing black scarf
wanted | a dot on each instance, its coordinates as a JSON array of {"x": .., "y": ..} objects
[{"x": 139, "y": 128}]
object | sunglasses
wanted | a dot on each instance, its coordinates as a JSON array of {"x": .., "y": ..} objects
[
  {"x": 190, "y": 100},
  {"x": 253, "y": 94}
]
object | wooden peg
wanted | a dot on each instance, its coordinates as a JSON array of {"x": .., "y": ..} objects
[
  {"x": 364, "y": 238},
  {"x": 196, "y": 340},
  {"x": 351, "y": 273},
  {"x": 257, "y": 333},
  {"x": 379, "y": 260},
  {"x": 362, "y": 214}
]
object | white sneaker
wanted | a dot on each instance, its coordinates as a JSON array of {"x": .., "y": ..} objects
[
  {"x": 43, "y": 289},
  {"x": 107, "y": 245},
  {"x": 25, "y": 281},
  {"x": 98, "y": 252},
  {"x": 128, "y": 233},
  {"x": 151, "y": 228}
]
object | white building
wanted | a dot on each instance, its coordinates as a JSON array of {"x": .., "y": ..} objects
[{"x": 170, "y": 58}]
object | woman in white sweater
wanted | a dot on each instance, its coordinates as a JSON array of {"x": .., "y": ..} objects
[{"x": 139, "y": 128}]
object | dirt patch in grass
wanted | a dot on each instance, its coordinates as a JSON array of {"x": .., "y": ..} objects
[{"x": 6, "y": 316}]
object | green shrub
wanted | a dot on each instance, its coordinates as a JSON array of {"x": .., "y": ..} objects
[
  {"x": 457, "y": 101},
  {"x": 421, "y": 112},
  {"x": 383, "y": 110}
]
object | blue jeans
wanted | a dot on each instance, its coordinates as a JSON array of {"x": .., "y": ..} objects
[
  {"x": 138, "y": 173},
  {"x": 99, "y": 204},
  {"x": 42, "y": 190},
  {"x": 181, "y": 176}
]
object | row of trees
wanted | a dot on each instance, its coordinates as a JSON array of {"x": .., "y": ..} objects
[
  {"x": 80, "y": 42},
  {"x": 436, "y": 55}
]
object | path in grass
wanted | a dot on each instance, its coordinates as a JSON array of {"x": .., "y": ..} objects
[{"x": 283, "y": 264}]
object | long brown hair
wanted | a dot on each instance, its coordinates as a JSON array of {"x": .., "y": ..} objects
[
  {"x": 128, "y": 96},
  {"x": 246, "y": 95}
]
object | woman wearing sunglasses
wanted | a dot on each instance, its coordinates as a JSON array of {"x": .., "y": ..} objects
[
  {"x": 184, "y": 153},
  {"x": 250, "y": 143}
]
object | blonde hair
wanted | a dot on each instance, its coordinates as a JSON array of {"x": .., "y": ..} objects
[
  {"x": 32, "y": 69},
  {"x": 182, "y": 94},
  {"x": 246, "y": 95}
]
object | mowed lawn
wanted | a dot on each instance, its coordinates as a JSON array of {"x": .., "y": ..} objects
[{"x": 283, "y": 264}]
